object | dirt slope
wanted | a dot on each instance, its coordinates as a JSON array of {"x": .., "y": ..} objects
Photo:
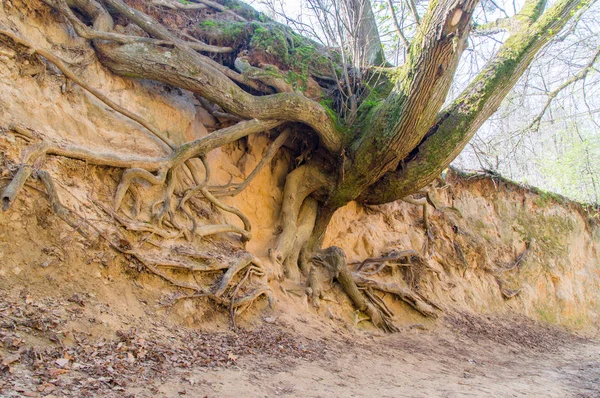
[{"x": 503, "y": 252}]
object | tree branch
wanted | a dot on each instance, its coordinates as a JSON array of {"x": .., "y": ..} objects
[
  {"x": 581, "y": 75},
  {"x": 398, "y": 124},
  {"x": 190, "y": 70},
  {"x": 457, "y": 124}
]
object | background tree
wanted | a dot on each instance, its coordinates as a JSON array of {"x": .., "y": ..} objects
[{"x": 374, "y": 133}]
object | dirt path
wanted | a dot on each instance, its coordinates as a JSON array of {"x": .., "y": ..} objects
[
  {"x": 46, "y": 352},
  {"x": 390, "y": 367}
]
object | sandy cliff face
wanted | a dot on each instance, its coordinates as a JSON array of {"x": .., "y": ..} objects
[
  {"x": 496, "y": 247},
  {"x": 492, "y": 239}
]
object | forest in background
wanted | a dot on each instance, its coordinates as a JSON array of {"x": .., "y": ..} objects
[{"x": 547, "y": 131}]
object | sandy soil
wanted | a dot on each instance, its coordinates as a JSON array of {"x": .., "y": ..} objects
[
  {"x": 411, "y": 364},
  {"x": 46, "y": 351}
]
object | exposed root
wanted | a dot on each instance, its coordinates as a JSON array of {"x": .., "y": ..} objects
[
  {"x": 129, "y": 177},
  {"x": 360, "y": 289},
  {"x": 247, "y": 226},
  {"x": 57, "y": 207},
  {"x": 192, "y": 191},
  {"x": 243, "y": 262},
  {"x": 161, "y": 171},
  {"x": 166, "y": 208},
  {"x": 393, "y": 256},
  {"x": 335, "y": 260},
  {"x": 234, "y": 189},
  {"x": 300, "y": 183},
  {"x": 414, "y": 299},
  {"x": 24, "y": 133},
  {"x": 424, "y": 203},
  {"x": 245, "y": 302},
  {"x": 306, "y": 223},
  {"x": 14, "y": 187},
  {"x": 269, "y": 78},
  {"x": 180, "y": 258},
  {"x": 142, "y": 168},
  {"x": 138, "y": 226}
]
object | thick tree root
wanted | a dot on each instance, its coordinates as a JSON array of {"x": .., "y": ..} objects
[
  {"x": 424, "y": 202},
  {"x": 14, "y": 187},
  {"x": 300, "y": 183},
  {"x": 334, "y": 259},
  {"x": 414, "y": 299},
  {"x": 306, "y": 223},
  {"x": 360, "y": 289},
  {"x": 235, "y": 189}
]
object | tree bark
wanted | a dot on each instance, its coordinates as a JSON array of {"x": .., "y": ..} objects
[
  {"x": 398, "y": 124},
  {"x": 456, "y": 125}
]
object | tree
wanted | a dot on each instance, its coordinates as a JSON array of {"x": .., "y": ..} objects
[
  {"x": 383, "y": 132},
  {"x": 551, "y": 114}
]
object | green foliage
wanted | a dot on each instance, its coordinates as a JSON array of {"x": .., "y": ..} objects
[{"x": 574, "y": 168}]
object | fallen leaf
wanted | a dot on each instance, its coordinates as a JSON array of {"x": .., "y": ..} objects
[
  {"x": 10, "y": 359},
  {"x": 62, "y": 362},
  {"x": 232, "y": 357},
  {"x": 56, "y": 372}
]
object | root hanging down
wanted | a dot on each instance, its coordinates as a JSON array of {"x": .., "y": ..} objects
[
  {"x": 360, "y": 290},
  {"x": 241, "y": 283},
  {"x": 299, "y": 185},
  {"x": 334, "y": 259}
]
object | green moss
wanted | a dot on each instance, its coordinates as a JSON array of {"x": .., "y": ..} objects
[
  {"x": 545, "y": 198},
  {"x": 290, "y": 50},
  {"x": 228, "y": 33},
  {"x": 246, "y": 11},
  {"x": 547, "y": 314},
  {"x": 297, "y": 80},
  {"x": 551, "y": 232},
  {"x": 209, "y": 23},
  {"x": 271, "y": 40}
]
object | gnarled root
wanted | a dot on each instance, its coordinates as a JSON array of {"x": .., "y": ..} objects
[
  {"x": 334, "y": 259},
  {"x": 300, "y": 183},
  {"x": 245, "y": 260},
  {"x": 414, "y": 299},
  {"x": 360, "y": 289},
  {"x": 424, "y": 202},
  {"x": 393, "y": 256},
  {"x": 159, "y": 171},
  {"x": 306, "y": 223},
  {"x": 139, "y": 167}
]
